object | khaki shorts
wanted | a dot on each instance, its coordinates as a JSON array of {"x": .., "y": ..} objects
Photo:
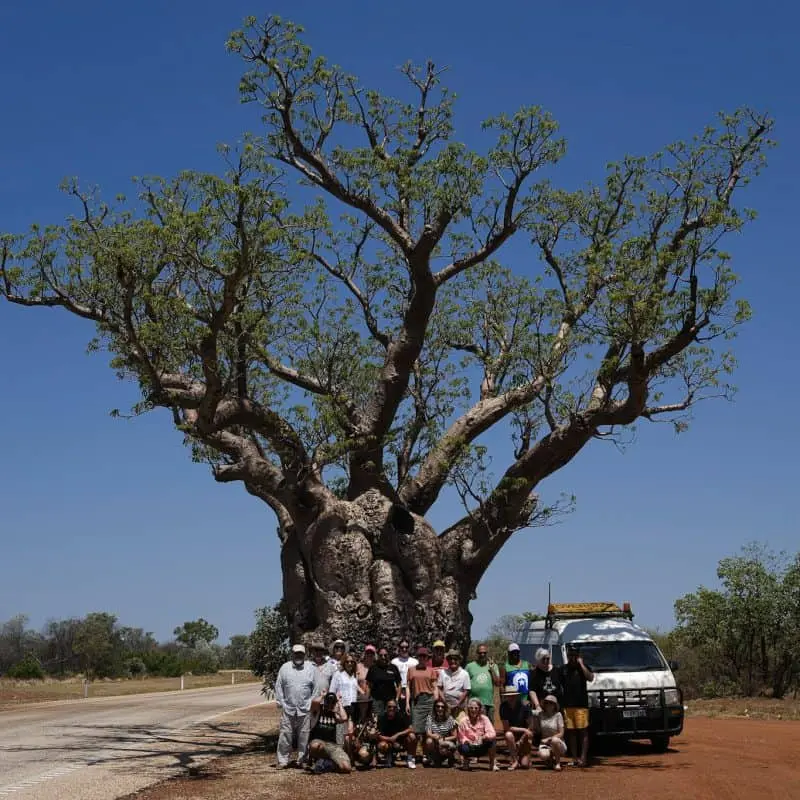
[{"x": 576, "y": 719}]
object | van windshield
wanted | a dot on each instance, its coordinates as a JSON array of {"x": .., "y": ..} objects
[{"x": 621, "y": 656}]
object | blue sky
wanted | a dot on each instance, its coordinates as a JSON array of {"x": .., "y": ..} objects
[{"x": 103, "y": 514}]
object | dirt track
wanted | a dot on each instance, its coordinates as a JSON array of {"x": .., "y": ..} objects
[{"x": 721, "y": 759}]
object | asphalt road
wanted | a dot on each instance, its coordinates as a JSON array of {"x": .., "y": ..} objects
[{"x": 104, "y": 748}]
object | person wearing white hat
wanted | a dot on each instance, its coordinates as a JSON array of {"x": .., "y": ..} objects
[
  {"x": 515, "y": 673},
  {"x": 295, "y": 688}
]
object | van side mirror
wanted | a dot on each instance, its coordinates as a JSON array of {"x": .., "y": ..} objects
[{"x": 674, "y": 665}]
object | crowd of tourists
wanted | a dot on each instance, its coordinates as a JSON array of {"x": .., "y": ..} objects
[{"x": 340, "y": 711}]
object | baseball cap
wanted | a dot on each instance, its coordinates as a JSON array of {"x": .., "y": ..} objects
[
  {"x": 513, "y": 647},
  {"x": 370, "y": 648},
  {"x": 339, "y": 643},
  {"x": 423, "y": 651},
  {"x": 298, "y": 648},
  {"x": 438, "y": 643}
]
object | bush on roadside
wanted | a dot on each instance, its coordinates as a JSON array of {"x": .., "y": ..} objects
[{"x": 26, "y": 670}]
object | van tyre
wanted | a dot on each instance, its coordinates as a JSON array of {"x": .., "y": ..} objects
[{"x": 660, "y": 743}]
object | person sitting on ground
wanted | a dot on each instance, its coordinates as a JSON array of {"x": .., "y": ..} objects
[
  {"x": 477, "y": 736},
  {"x": 324, "y": 754},
  {"x": 544, "y": 679},
  {"x": 365, "y": 739},
  {"x": 515, "y": 715},
  {"x": 454, "y": 684},
  {"x": 440, "y": 735},
  {"x": 395, "y": 734},
  {"x": 550, "y": 725},
  {"x": 574, "y": 676}
]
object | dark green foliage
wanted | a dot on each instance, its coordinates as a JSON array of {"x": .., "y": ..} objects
[
  {"x": 743, "y": 638},
  {"x": 269, "y": 643},
  {"x": 27, "y": 669},
  {"x": 192, "y": 633}
]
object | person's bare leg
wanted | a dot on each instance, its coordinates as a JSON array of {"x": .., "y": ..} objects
[
  {"x": 511, "y": 744},
  {"x": 524, "y": 753},
  {"x": 584, "y": 734},
  {"x": 493, "y": 757}
]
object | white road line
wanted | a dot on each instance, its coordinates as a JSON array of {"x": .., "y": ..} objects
[{"x": 6, "y": 791}]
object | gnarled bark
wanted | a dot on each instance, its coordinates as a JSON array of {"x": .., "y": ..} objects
[{"x": 368, "y": 570}]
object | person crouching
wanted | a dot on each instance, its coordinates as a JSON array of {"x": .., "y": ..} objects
[
  {"x": 395, "y": 734},
  {"x": 550, "y": 725},
  {"x": 324, "y": 754},
  {"x": 477, "y": 736}
]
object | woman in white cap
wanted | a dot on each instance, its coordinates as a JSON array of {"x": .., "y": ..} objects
[{"x": 550, "y": 725}]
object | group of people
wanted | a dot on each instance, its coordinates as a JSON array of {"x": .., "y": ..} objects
[{"x": 341, "y": 711}]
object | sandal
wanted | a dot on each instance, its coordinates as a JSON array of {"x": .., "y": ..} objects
[
  {"x": 495, "y": 767},
  {"x": 513, "y": 765}
]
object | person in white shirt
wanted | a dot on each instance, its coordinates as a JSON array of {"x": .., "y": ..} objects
[
  {"x": 454, "y": 684},
  {"x": 295, "y": 687},
  {"x": 403, "y": 661}
]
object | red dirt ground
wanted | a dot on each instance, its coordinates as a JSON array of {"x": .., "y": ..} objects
[{"x": 719, "y": 759}]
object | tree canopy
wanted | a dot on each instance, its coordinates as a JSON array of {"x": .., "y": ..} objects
[
  {"x": 744, "y": 637},
  {"x": 363, "y": 330}
]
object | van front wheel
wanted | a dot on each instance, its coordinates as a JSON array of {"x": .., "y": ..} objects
[{"x": 660, "y": 743}]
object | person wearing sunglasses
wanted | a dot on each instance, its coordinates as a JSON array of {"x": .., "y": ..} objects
[
  {"x": 440, "y": 736},
  {"x": 404, "y": 662}
]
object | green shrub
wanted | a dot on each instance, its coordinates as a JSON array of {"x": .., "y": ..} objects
[{"x": 26, "y": 670}]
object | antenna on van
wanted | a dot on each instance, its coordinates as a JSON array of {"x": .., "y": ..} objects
[{"x": 548, "y": 622}]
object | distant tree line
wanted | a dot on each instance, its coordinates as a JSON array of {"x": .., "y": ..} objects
[{"x": 97, "y": 646}]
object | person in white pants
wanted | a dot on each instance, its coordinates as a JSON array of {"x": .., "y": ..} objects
[{"x": 295, "y": 688}]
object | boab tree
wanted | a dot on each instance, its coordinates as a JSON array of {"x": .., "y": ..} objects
[{"x": 342, "y": 356}]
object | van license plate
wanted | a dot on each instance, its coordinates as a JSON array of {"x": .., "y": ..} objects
[{"x": 634, "y": 712}]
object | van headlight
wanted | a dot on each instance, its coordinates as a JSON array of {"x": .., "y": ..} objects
[{"x": 672, "y": 697}]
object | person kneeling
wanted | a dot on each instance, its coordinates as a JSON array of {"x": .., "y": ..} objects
[
  {"x": 395, "y": 734},
  {"x": 324, "y": 754},
  {"x": 550, "y": 725},
  {"x": 477, "y": 736}
]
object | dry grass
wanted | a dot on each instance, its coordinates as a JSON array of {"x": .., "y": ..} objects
[
  {"x": 17, "y": 692},
  {"x": 746, "y": 707}
]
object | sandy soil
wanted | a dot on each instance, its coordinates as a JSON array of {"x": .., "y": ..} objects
[{"x": 721, "y": 759}]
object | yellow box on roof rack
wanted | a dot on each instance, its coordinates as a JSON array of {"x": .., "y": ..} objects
[{"x": 583, "y": 608}]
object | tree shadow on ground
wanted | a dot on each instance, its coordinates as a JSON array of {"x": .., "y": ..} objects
[{"x": 153, "y": 749}]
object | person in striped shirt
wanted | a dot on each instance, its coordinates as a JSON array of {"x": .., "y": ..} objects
[{"x": 440, "y": 735}]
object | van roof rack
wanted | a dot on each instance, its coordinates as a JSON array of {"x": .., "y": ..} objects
[{"x": 556, "y": 611}]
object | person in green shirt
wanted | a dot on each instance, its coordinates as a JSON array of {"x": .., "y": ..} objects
[{"x": 483, "y": 676}]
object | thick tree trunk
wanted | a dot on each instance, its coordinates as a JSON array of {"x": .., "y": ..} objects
[{"x": 367, "y": 570}]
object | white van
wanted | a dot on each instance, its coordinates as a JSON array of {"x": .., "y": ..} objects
[{"x": 634, "y": 694}]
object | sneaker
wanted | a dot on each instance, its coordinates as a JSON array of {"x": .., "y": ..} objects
[{"x": 412, "y": 762}]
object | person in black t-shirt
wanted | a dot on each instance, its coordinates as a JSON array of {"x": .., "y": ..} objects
[
  {"x": 545, "y": 679},
  {"x": 324, "y": 754},
  {"x": 516, "y": 716},
  {"x": 395, "y": 733},
  {"x": 384, "y": 682},
  {"x": 574, "y": 677}
]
